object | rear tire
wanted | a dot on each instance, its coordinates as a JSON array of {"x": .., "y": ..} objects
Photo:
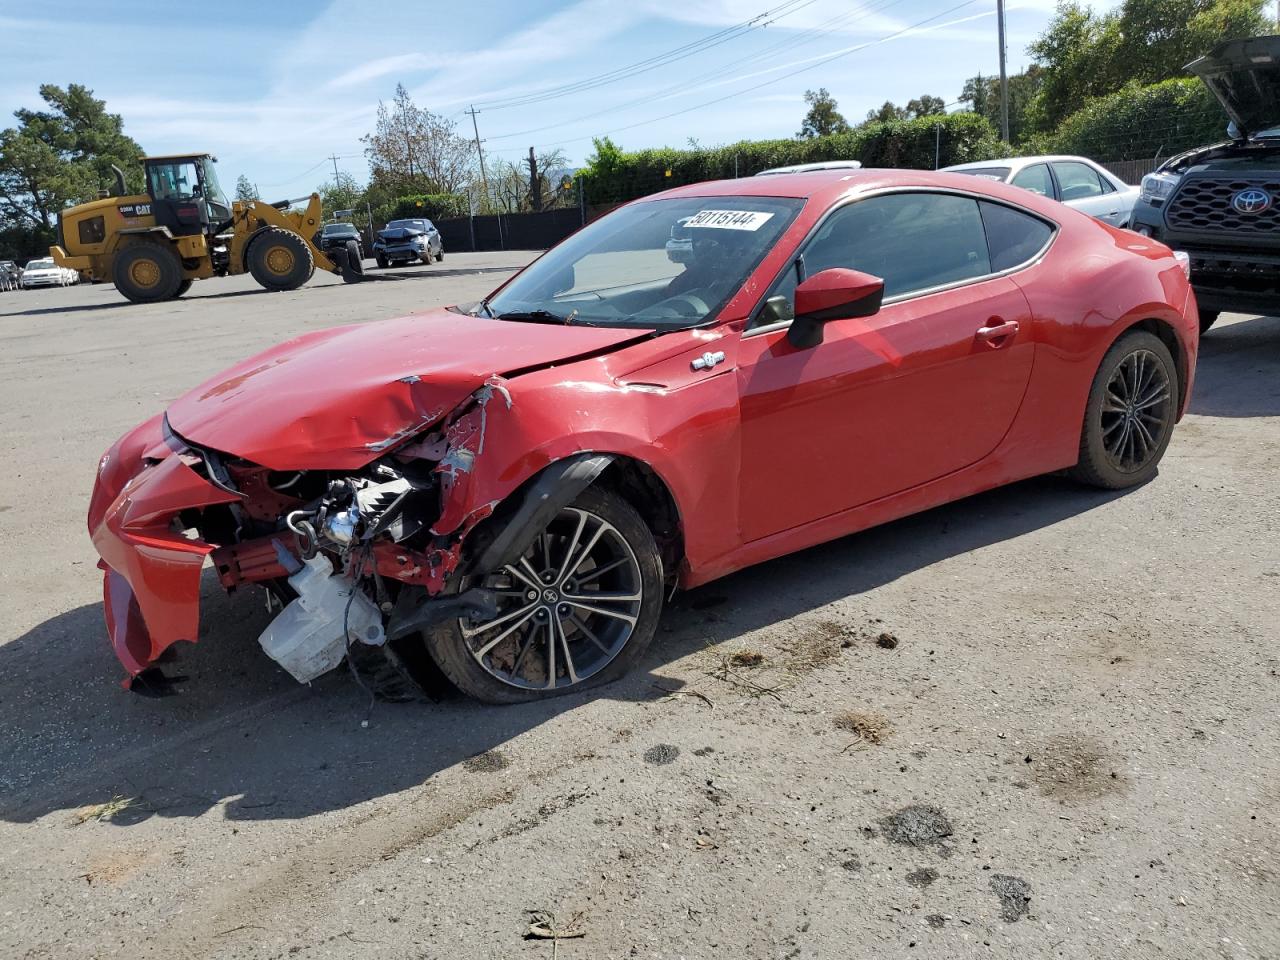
[
  {"x": 1129, "y": 417},
  {"x": 147, "y": 272},
  {"x": 601, "y": 646},
  {"x": 382, "y": 262},
  {"x": 280, "y": 259},
  {"x": 1207, "y": 319},
  {"x": 440, "y": 255}
]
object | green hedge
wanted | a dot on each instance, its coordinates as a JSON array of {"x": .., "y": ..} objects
[
  {"x": 612, "y": 175},
  {"x": 1137, "y": 123},
  {"x": 433, "y": 206}
]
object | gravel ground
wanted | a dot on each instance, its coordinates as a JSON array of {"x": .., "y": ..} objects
[{"x": 1040, "y": 722}]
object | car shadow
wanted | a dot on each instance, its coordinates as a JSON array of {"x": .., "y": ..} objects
[
  {"x": 242, "y": 734},
  {"x": 1238, "y": 373}
]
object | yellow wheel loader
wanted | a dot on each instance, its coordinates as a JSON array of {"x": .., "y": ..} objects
[{"x": 152, "y": 246}]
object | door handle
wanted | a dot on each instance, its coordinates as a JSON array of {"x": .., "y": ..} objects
[{"x": 997, "y": 332}]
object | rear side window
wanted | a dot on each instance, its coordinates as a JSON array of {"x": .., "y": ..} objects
[
  {"x": 1013, "y": 237},
  {"x": 1077, "y": 181},
  {"x": 1034, "y": 178}
]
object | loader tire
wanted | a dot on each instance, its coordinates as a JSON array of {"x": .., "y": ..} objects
[
  {"x": 355, "y": 258},
  {"x": 183, "y": 287},
  {"x": 280, "y": 259},
  {"x": 147, "y": 272}
]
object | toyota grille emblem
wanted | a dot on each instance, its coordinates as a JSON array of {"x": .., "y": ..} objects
[{"x": 1251, "y": 200}]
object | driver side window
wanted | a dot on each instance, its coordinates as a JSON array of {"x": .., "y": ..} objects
[{"x": 913, "y": 241}]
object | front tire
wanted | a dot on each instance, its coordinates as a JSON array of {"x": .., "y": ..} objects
[
  {"x": 147, "y": 272},
  {"x": 1207, "y": 319},
  {"x": 1129, "y": 417},
  {"x": 578, "y": 610},
  {"x": 280, "y": 259}
]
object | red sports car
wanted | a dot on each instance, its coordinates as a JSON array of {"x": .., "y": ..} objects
[{"x": 699, "y": 381}]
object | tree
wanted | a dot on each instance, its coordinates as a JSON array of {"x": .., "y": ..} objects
[
  {"x": 1083, "y": 54},
  {"x": 513, "y": 190},
  {"x": 922, "y": 106},
  {"x": 246, "y": 189},
  {"x": 823, "y": 119},
  {"x": 340, "y": 194},
  {"x": 60, "y": 156},
  {"x": 413, "y": 150},
  {"x": 926, "y": 106},
  {"x": 983, "y": 96}
]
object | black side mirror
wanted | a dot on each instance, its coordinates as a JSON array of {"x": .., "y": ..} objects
[{"x": 835, "y": 294}]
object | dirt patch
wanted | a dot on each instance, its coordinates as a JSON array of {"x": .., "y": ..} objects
[
  {"x": 746, "y": 658},
  {"x": 1014, "y": 894},
  {"x": 491, "y": 761},
  {"x": 852, "y": 865},
  {"x": 817, "y": 644},
  {"x": 660, "y": 754},
  {"x": 1074, "y": 768},
  {"x": 887, "y": 641},
  {"x": 867, "y": 726},
  {"x": 936, "y": 920},
  {"x": 919, "y": 825},
  {"x": 923, "y": 877}
]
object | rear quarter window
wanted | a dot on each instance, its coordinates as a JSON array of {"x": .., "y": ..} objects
[{"x": 1013, "y": 237}]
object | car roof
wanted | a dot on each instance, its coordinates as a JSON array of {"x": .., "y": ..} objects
[{"x": 1019, "y": 162}]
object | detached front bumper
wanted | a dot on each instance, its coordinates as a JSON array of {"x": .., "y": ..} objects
[{"x": 151, "y": 581}]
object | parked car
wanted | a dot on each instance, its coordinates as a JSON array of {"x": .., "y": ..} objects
[
  {"x": 44, "y": 273},
  {"x": 337, "y": 235},
  {"x": 1221, "y": 203},
  {"x": 10, "y": 275},
  {"x": 406, "y": 241},
  {"x": 1076, "y": 181},
  {"x": 700, "y": 380}
]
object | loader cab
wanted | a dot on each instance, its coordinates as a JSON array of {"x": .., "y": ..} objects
[{"x": 185, "y": 194}]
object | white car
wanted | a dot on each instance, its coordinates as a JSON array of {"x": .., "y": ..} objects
[
  {"x": 1076, "y": 181},
  {"x": 809, "y": 167},
  {"x": 43, "y": 273}
]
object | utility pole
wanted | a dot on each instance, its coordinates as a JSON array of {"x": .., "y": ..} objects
[
  {"x": 484, "y": 177},
  {"x": 535, "y": 183},
  {"x": 334, "y": 158},
  {"x": 1004, "y": 76}
]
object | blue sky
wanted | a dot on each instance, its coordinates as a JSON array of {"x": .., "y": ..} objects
[{"x": 274, "y": 88}]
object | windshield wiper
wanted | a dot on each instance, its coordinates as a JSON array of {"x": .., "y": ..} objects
[{"x": 538, "y": 316}]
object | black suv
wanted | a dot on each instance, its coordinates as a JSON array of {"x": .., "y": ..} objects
[
  {"x": 1221, "y": 204},
  {"x": 335, "y": 236}
]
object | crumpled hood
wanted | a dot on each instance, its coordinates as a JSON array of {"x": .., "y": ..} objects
[
  {"x": 1245, "y": 77},
  {"x": 400, "y": 233},
  {"x": 338, "y": 398}
]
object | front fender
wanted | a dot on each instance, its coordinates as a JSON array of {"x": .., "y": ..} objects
[{"x": 686, "y": 435}]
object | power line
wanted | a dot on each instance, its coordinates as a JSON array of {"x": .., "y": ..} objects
[
  {"x": 654, "y": 62},
  {"x": 806, "y": 36},
  {"x": 813, "y": 66}
]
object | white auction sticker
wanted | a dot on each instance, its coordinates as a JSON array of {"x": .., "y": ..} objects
[{"x": 729, "y": 220}]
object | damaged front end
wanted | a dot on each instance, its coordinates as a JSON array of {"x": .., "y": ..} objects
[{"x": 350, "y": 557}]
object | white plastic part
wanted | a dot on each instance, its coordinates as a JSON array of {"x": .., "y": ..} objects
[{"x": 307, "y": 638}]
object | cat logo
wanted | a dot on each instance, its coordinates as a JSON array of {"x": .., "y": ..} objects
[{"x": 131, "y": 211}]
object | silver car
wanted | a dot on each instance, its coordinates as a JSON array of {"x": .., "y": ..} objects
[{"x": 1076, "y": 181}]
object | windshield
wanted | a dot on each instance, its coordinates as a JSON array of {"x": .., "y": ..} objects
[
  {"x": 655, "y": 264},
  {"x": 40, "y": 265},
  {"x": 408, "y": 224},
  {"x": 339, "y": 229}
]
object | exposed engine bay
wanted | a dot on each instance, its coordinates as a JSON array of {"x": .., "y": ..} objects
[{"x": 349, "y": 559}]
